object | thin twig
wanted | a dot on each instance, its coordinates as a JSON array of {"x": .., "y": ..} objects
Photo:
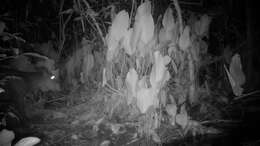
[
  {"x": 219, "y": 121},
  {"x": 247, "y": 94},
  {"x": 200, "y": 3}
]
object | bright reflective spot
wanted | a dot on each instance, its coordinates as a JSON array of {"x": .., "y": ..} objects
[{"x": 52, "y": 77}]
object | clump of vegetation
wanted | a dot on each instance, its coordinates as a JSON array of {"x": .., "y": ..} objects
[{"x": 128, "y": 73}]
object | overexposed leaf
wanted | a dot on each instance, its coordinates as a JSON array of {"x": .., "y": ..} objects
[
  {"x": 169, "y": 31},
  {"x": 236, "y": 70},
  {"x": 146, "y": 97},
  {"x": 28, "y": 141},
  {"x": 127, "y": 42},
  {"x": 143, "y": 26},
  {"x": 147, "y": 28},
  {"x": 236, "y": 75},
  {"x": 163, "y": 36},
  {"x": 184, "y": 41},
  {"x": 168, "y": 19},
  {"x": 142, "y": 49},
  {"x": 116, "y": 33},
  {"x": 159, "y": 69},
  {"x": 231, "y": 80},
  {"x": 136, "y": 34},
  {"x": 6, "y": 137},
  {"x": 159, "y": 66},
  {"x": 131, "y": 83},
  {"x": 119, "y": 25}
]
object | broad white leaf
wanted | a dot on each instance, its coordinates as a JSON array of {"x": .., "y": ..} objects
[
  {"x": 116, "y": 32},
  {"x": 127, "y": 42},
  {"x": 131, "y": 83},
  {"x": 146, "y": 97},
  {"x": 28, "y": 141},
  {"x": 236, "y": 75},
  {"x": 147, "y": 28},
  {"x": 6, "y": 137},
  {"x": 169, "y": 31},
  {"x": 143, "y": 26},
  {"x": 184, "y": 40},
  {"x": 236, "y": 70},
  {"x": 120, "y": 25},
  {"x": 163, "y": 36},
  {"x": 168, "y": 19},
  {"x": 159, "y": 72}
]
